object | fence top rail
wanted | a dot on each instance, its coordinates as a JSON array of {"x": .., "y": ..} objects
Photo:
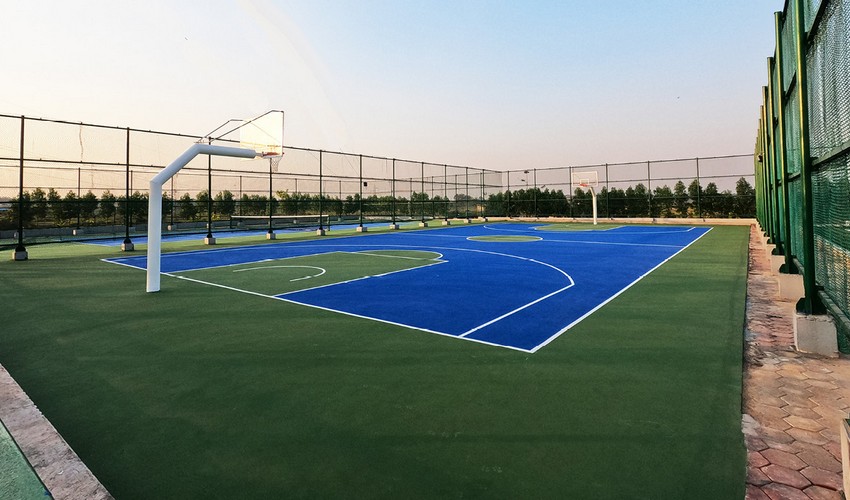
[
  {"x": 199, "y": 137},
  {"x": 618, "y": 164}
]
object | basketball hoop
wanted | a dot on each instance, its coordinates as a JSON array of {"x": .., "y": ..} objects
[{"x": 274, "y": 160}]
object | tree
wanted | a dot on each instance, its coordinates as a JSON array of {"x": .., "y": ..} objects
[
  {"x": 745, "y": 199},
  {"x": 225, "y": 203},
  {"x": 38, "y": 204},
  {"x": 662, "y": 201},
  {"x": 54, "y": 206},
  {"x": 88, "y": 206},
  {"x": 106, "y": 207},
  {"x": 711, "y": 203},
  {"x": 680, "y": 200},
  {"x": 187, "y": 209},
  {"x": 70, "y": 207},
  {"x": 695, "y": 194}
]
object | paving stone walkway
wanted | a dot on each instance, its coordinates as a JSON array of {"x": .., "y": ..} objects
[{"x": 793, "y": 402}]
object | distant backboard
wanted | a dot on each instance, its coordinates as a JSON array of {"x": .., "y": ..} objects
[
  {"x": 263, "y": 134},
  {"x": 584, "y": 180}
]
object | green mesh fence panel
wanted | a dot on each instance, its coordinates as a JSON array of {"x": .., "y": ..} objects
[
  {"x": 829, "y": 80},
  {"x": 832, "y": 222},
  {"x": 810, "y": 8},
  {"x": 795, "y": 214},
  {"x": 789, "y": 52},
  {"x": 792, "y": 133}
]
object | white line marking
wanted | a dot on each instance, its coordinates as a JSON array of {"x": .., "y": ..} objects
[
  {"x": 282, "y": 299},
  {"x": 609, "y": 299},
  {"x": 533, "y": 238},
  {"x": 439, "y": 256},
  {"x": 518, "y": 309},
  {"x": 323, "y": 271}
]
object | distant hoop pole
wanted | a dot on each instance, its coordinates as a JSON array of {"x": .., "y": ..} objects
[{"x": 155, "y": 201}]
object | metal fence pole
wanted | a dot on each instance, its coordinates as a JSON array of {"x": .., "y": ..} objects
[
  {"x": 127, "y": 245},
  {"x": 508, "y": 197},
  {"x": 811, "y": 303},
  {"x": 445, "y": 192},
  {"x": 649, "y": 188},
  {"x": 209, "y": 240},
  {"x": 422, "y": 185},
  {"x": 20, "y": 249},
  {"x": 360, "y": 205},
  {"x": 466, "y": 182},
  {"x": 699, "y": 190},
  {"x": 789, "y": 266},
  {"x": 393, "y": 192},
  {"x": 607, "y": 194},
  {"x": 321, "y": 194}
]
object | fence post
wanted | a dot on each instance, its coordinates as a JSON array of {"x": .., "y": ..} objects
[
  {"x": 508, "y": 197},
  {"x": 779, "y": 94},
  {"x": 360, "y": 205},
  {"x": 649, "y": 188},
  {"x": 607, "y": 194},
  {"x": 321, "y": 231},
  {"x": 127, "y": 245},
  {"x": 699, "y": 191},
  {"x": 810, "y": 304},
  {"x": 768, "y": 222},
  {"x": 20, "y": 250},
  {"x": 445, "y": 191},
  {"x": 393, "y": 193},
  {"x": 209, "y": 240}
]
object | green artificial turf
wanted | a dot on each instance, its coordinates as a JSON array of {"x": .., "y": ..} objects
[
  {"x": 202, "y": 392},
  {"x": 17, "y": 478}
]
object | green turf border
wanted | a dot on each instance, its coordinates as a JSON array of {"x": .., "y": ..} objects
[{"x": 191, "y": 392}]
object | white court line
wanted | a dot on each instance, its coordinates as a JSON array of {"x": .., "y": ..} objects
[
  {"x": 609, "y": 299},
  {"x": 283, "y": 299},
  {"x": 323, "y": 271},
  {"x": 518, "y": 309},
  {"x": 439, "y": 256}
]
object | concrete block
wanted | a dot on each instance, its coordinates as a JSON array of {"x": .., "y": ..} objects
[
  {"x": 447, "y": 222},
  {"x": 362, "y": 229},
  {"x": 845, "y": 453},
  {"x": 271, "y": 236},
  {"x": 482, "y": 219},
  {"x": 768, "y": 250},
  {"x": 127, "y": 247},
  {"x": 209, "y": 240},
  {"x": 776, "y": 262},
  {"x": 320, "y": 232},
  {"x": 393, "y": 227},
  {"x": 466, "y": 221},
  {"x": 791, "y": 286},
  {"x": 815, "y": 333},
  {"x": 20, "y": 255},
  {"x": 423, "y": 224}
]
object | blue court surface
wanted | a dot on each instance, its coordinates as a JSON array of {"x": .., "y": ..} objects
[{"x": 516, "y": 294}]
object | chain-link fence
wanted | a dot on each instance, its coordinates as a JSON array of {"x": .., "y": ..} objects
[
  {"x": 62, "y": 180},
  {"x": 803, "y": 153}
]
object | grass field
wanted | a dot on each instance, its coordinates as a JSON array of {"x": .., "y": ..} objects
[{"x": 197, "y": 392}]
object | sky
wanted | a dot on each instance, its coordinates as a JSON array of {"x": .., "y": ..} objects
[{"x": 489, "y": 84}]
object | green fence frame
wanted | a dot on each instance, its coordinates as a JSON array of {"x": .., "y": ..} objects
[{"x": 802, "y": 155}]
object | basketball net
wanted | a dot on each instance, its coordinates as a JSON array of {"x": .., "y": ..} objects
[{"x": 274, "y": 161}]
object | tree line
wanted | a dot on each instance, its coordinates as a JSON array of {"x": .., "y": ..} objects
[{"x": 50, "y": 209}]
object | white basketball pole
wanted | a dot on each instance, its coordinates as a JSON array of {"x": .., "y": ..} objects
[
  {"x": 155, "y": 201},
  {"x": 593, "y": 193}
]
